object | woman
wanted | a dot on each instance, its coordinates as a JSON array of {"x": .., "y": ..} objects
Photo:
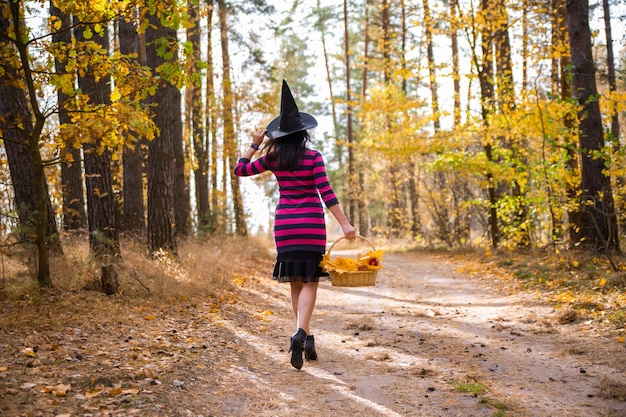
[{"x": 299, "y": 226}]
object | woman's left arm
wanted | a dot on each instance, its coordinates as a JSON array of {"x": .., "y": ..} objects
[{"x": 244, "y": 166}]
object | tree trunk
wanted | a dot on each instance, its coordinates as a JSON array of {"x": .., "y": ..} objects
[
  {"x": 598, "y": 222},
  {"x": 133, "y": 214},
  {"x": 610, "y": 64},
  {"x": 506, "y": 103},
  {"x": 455, "y": 63},
  {"x": 160, "y": 152},
  {"x": 487, "y": 95},
  {"x": 363, "y": 215},
  {"x": 74, "y": 217},
  {"x": 525, "y": 42},
  {"x": 395, "y": 176},
  {"x": 103, "y": 231},
  {"x": 182, "y": 202},
  {"x": 194, "y": 120},
  {"x": 21, "y": 138},
  {"x": 230, "y": 144},
  {"x": 329, "y": 79},
  {"x": 564, "y": 88},
  {"x": 506, "y": 92},
  {"x": 211, "y": 125},
  {"x": 352, "y": 201},
  {"x": 615, "y": 133},
  {"x": 432, "y": 75}
]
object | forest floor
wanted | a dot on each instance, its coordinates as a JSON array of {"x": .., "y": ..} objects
[{"x": 436, "y": 336}]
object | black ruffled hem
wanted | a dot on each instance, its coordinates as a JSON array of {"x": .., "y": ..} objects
[{"x": 301, "y": 266}]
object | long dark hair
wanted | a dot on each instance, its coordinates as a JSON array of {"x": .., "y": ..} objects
[{"x": 286, "y": 153}]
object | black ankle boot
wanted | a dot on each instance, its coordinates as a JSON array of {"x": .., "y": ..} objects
[
  {"x": 296, "y": 347},
  {"x": 309, "y": 348}
]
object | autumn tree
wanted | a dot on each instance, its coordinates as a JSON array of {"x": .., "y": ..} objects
[
  {"x": 160, "y": 40},
  {"x": 195, "y": 116},
  {"x": 22, "y": 124},
  {"x": 210, "y": 117},
  {"x": 598, "y": 221},
  {"x": 96, "y": 88},
  {"x": 74, "y": 216},
  {"x": 230, "y": 143},
  {"x": 133, "y": 218}
]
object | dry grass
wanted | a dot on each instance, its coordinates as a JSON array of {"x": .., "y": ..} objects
[
  {"x": 611, "y": 390},
  {"x": 201, "y": 273},
  {"x": 200, "y": 264}
]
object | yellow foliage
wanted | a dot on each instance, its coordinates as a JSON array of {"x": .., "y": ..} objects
[{"x": 370, "y": 261}]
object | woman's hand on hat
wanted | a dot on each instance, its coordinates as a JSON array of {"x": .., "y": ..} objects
[{"x": 257, "y": 137}]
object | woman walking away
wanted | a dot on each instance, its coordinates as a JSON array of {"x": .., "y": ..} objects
[{"x": 299, "y": 226}]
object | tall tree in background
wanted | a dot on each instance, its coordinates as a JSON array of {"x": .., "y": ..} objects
[
  {"x": 352, "y": 203},
  {"x": 610, "y": 64},
  {"x": 133, "y": 215},
  {"x": 362, "y": 164},
  {"x": 182, "y": 201},
  {"x": 21, "y": 133},
  {"x": 230, "y": 144},
  {"x": 161, "y": 221},
  {"x": 454, "y": 45},
  {"x": 323, "y": 17},
  {"x": 598, "y": 221},
  {"x": 442, "y": 218},
  {"x": 103, "y": 231},
  {"x": 411, "y": 165},
  {"x": 396, "y": 174},
  {"x": 432, "y": 74},
  {"x": 487, "y": 98},
  {"x": 217, "y": 200},
  {"x": 74, "y": 217},
  {"x": 194, "y": 119}
]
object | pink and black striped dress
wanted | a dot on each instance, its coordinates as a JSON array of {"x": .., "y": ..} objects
[{"x": 299, "y": 225}]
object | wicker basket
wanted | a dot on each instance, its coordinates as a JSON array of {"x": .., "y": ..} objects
[{"x": 353, "y": 278}]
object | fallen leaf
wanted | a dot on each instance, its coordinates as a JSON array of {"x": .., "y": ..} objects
[
  {"x": 130, "y": 391},
  {"x": 29, "y": 352},
  {"x": 28, "y": 385},
  {"x": 92, "y": 394},
  {"x": 60, "y": 390}
]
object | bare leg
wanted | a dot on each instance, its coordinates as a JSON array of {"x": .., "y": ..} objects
[
  {"x": 303, "y": 297},
  {"x": 296, "y": 288}
]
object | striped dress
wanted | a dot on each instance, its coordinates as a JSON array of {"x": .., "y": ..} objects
[{"x": 299, "y": 223}]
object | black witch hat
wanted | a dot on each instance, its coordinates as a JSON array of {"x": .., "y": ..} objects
[{"x": 290, "y": 120}]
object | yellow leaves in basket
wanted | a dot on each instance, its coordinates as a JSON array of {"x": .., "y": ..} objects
[{"x": 371, "y": 261}]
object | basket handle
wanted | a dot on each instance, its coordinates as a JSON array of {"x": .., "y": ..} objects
[{"x": 357, "y": 236}]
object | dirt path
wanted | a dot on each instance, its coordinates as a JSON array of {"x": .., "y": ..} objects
[
  {"x": 428, "y": 340},
  {"x": 402, "y": 347}
]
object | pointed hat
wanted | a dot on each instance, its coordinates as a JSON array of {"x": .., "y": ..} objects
[{"x": 290, "y": 120}]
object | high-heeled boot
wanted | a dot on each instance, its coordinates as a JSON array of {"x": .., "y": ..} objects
[
  {"x": 296, "y": 346},
  {"x": 309, "y": 348}
]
